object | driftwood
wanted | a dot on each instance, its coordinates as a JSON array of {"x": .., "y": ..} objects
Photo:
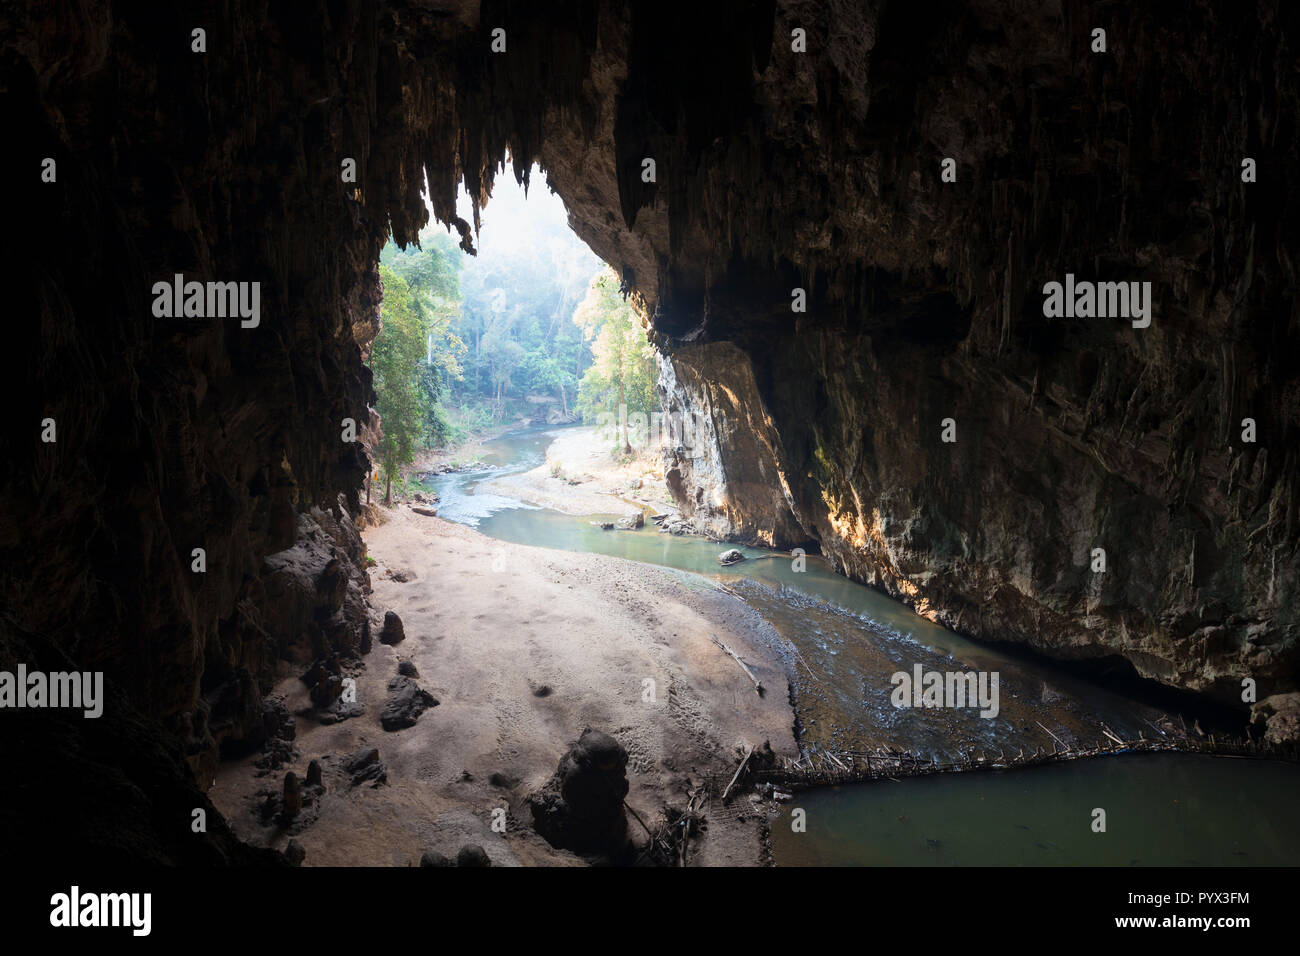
[
  {"x": 670, "y": 843},
  {"x": 739, "y": 770},
  {"x": 758, "y": 685},
  {"x": 1056, "y": 738},
  {"x": 1106, "y": 730},
  {"x": 798, "y": 655},
  {"x": 826, "y": 768},
  {"x": 427, "y": 512}
]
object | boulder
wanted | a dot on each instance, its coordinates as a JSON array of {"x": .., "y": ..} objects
[
  {"x": 393, "y": 632},
  {"x": 292, "y": 796},
  {"x": 364, "y": 766},
  {"x": 407, "y": 700},
  {"x": 581, "y": 807},
  {"x": 472, "y": 855},
  {"x": 631, "y": 521},
  {"x": 295, "y": 853}
]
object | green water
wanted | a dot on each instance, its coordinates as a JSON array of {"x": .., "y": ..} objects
[
  {"x": 849, "y": 639},
  {"x": 1161, "y": 809}
]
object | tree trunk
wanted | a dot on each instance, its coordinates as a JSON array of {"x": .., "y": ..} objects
[
  {"x": 622, "y": 414},
  {"x": 388, "y": 490}
]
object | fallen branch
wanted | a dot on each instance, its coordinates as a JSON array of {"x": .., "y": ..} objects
[
  {"x": 736, "y": 776},
  {"x": 1054, "y": 737},
  {"x": 637, "y": 816},
  {"x": 758, "y": 685}
]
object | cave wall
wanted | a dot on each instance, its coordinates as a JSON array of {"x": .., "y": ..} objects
[
  {"x": 822, "y": 171},
  {"x": 775, "y": 170},
  {"x": 722, "y": 460},
  {"x": 175, "y": 434},
  {"x": 220, "y": 164}
]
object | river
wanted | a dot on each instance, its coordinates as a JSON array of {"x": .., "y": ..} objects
[{"x": 1161, "y": 809}]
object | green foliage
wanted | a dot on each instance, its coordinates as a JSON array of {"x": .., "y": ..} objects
[
  {"x": 620, "y": 383},
  {"x": 395, "y": 361},
  {"x": 498, "y": 325},
  {"x": 517, "y": 301}
]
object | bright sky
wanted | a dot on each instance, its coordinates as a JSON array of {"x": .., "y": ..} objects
[{"x": 508, "y": 220}]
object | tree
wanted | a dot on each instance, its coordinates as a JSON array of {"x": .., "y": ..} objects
[
  {"x": 432, "y": 277},
  {"x": 500, "y": 322},
  {"x": 621, "y": 379},
  {"x": 399, "y": 351}
]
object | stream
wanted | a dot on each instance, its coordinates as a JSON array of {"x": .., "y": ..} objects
[{"x": 1161, "y": 809}]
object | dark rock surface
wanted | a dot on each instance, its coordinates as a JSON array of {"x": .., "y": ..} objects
[
  {"x": 407, "y": 700},
  {"x": 581, "y": 807},
  {"x": 472, "y": 855},
  {"x": 364, "y": 766},
  {"x": 393, "y": 632},
  {"x": 295, "y": 853}
]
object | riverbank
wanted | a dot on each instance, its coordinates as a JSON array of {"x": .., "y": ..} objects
[
  {"x": 525, "y": 648},
  {"x": 582, "y": 476},
  {"x": 460, "y": 455}
]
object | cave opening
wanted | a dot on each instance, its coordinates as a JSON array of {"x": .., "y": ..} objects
[{"x": 532, "y": 329}]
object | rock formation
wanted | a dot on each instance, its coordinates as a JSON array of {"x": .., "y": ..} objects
[
  {"x": 407, "y": 700},
  {"x": 581, "y": 807}
]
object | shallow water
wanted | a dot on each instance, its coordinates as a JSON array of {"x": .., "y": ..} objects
[
  {"x": 1161, "y": 810},
  {"x": 851, "y": 639}
]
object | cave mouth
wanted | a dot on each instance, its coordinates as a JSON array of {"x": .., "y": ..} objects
[{"x": 504, "y": 341}]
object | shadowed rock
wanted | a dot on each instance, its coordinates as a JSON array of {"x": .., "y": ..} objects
[
  {"x": 407, "y": 700},
  {"x": 365, "y": 767},
  {"x": 472, "y": 855},
  {"x": 393, "y": 632},
  {"x": 581, "y": 807},
  {"x": 292, "y": 796},
  {"x": 295, "y": 853}
]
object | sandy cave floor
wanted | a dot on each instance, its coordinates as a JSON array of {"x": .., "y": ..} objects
[{"x": 487, "y": 625}]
